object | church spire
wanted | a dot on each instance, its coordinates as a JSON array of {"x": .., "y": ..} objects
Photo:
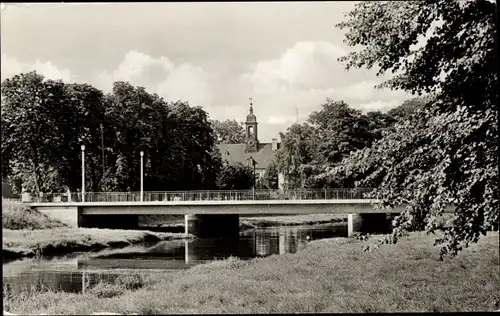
[{"x": 251, "y": 130}]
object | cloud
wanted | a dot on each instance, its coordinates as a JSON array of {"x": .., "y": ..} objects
[
  {"x": 159, "y": 75},
  {"x": 380, "y": 105},
  {"x": 304, "y": 66},
  {"x": 11, "y": 66},
  {"x": 304, "y": 76}
]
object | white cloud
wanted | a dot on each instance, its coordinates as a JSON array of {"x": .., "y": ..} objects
[
  {"x": 303, "y": 77},
  {"x": 11, "y": 66},
  {"x": 361, "y": 92},
  {"x": 160, "y": 75},
  {"x": 380, "y": 105},
  {"x": 306, "y": 65}
]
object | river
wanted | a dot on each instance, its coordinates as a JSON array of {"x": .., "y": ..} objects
[{"x": 76, "y": 271}]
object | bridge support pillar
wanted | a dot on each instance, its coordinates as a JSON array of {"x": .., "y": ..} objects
[
  {"x": 370, "y": 223},
  {"x": 213, "y": 225}
]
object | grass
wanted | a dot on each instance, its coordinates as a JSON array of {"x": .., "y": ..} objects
[
  {"x": 329, "y": 275},
  {"x": 21, "y": 243},
  {"x": 16, "y": 215},
  {"x": 28, "y": 233}
]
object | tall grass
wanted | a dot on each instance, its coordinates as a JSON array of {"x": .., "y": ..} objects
[
  {"x": 330, "y": 275},
  {"x": 16, "y": 215}
]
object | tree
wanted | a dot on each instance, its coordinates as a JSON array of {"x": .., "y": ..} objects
[
  {"x": 341, "y": 129},
  {"x": 405, "y": 110},
  {"x": 235, "y": 177},
  {"x": 29, "y": 125},
  {"x": 44, "y": 123},
  {"x": 447, "y": 152},
  {"x": 177, "y": 141},
  {"x": 378, "y": 122},
  {"x": 271, "y": 175},
  {"x": 228, "y": 132},
  {"x": 298, "y": 147}
]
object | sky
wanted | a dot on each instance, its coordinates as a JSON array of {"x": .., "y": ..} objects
[{"x": 216, "y": 55}]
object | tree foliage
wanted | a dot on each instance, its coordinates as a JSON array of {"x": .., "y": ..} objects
[
  {"x": 328, "y": 136},
  {"x": 235, "y": 177},
  {"x": 45, "y": 122},
  {"x": 298, "y": 147},
  {"x": 228, "y": 132},
  {"x": 271, "y": 176},
  {"x": 341, "y": 129},
  {"x": 447, "y": 152},
  {"x": 408, "y": 108}
]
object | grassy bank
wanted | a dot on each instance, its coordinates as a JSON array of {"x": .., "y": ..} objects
[
  {"x": 27, "y": 233},
  {"x": 16, "y": 215},
  {"x": 330, "y": 275},
  {"x": 22, "y": 243}
]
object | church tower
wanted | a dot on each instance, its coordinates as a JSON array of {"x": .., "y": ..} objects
[{"x": 252, "y": 142}]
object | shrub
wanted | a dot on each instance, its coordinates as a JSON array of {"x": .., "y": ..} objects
[{"x": 106, "y": 290}]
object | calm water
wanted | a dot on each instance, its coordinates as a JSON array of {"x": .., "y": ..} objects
[{"x": 69, "y": 273}]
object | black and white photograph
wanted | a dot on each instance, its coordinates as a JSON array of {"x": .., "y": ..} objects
[{"x": 265, "y": 157}]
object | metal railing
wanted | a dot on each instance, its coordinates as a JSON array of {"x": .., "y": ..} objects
[{"x": 205, "y": 195}]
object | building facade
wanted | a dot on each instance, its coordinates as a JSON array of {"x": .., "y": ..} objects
[{"x": 252, "y": 152}]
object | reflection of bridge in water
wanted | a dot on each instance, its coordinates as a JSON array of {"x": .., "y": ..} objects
[{"x": 181, "y": 254}]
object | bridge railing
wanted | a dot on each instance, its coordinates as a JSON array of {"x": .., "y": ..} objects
[{"x": 206, "y": 195}]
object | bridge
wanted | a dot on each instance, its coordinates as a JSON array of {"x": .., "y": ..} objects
[{"x": 210, "y": 213}]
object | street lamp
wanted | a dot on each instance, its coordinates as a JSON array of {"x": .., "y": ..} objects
[
  {"x": 83, "y": 173},
  {"x": 142, "y": 176},
  {"x": 253, "y": 165}
]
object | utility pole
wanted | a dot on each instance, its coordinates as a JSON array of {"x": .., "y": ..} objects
[{"x": 297, "y": 114}]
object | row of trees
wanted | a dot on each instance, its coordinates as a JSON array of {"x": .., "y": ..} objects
[
  {"x": 45, "y": 122},
  {"x": 330, "y": 135}
]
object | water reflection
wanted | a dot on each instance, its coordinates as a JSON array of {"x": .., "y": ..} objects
[{"x": 75, "y": 272}]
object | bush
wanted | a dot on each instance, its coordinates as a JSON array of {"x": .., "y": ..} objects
[
  {"x": 16, "y": 215},
  {"x": 106, "y": 290},
  {"x": 129, "y": 281}
]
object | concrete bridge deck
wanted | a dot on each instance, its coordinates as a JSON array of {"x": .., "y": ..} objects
[
  {"x": 212, "y": 213},
  {"x": 245, "y": 207}
]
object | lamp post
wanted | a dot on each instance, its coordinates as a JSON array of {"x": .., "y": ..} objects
[
  {"x": 83, "y": 173},
  {"x": 254, "y": 176},
  {"x": 254, "y": 181},
  {"x": 142, "y": 176}
]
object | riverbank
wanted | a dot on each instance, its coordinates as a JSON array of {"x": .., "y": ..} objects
[
  {"x": 27, "y": 233},
  {"x": 292, "y": 220},
  {"x": 29, "y": 243},
  {"x": 17, "y": 215},
  {"x": 330, "y": 275}
]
